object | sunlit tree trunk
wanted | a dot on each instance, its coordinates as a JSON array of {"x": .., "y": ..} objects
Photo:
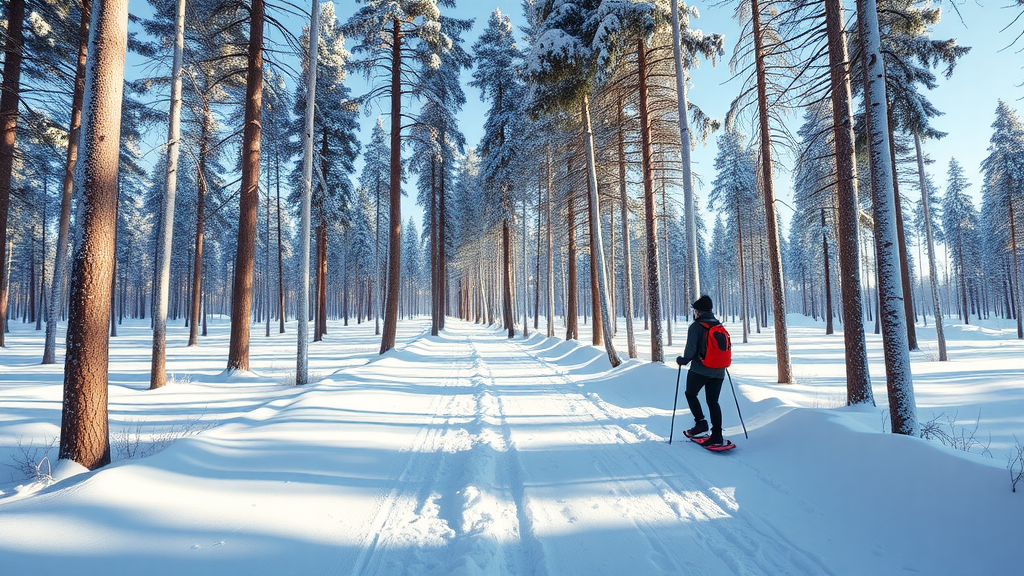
[
  {"x": 395, "y": 196},
  {"x": 785, "y": 368},
  {"x": 602, "y": 310},
  {"x": 201, "y": 188},
  {"x": 305, "y": 209},
  {"x": 858, "y": 381},
  {"x": 653, "y": 281},
  {"x": 245, "y": 256},
  {"x": 932, "y": 272},
  {"x": 627, "y": 262},
  {"x": 60, "y": 262},
  {"x": 8, "y": 131},
  {"x": 158, "y": 368},
  {"x": 691, "y": 278},
  {"x": 84, "y": 436},
  {"x": 899, "y": 380}
]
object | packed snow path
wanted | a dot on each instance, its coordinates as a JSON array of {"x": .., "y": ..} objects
[
  {"x": 469, "y": 453},
  {"x": 520, "y": 473}
]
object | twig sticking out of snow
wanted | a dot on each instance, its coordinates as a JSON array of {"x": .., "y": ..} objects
[{"x": 1015, "y": 465}]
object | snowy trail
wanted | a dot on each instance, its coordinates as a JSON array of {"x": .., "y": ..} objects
[
  {"x": 647, "y": 508},
  {"x": 471, "y": 454}
]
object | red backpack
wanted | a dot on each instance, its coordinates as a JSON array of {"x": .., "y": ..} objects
[{"x": 718, "y": 350}]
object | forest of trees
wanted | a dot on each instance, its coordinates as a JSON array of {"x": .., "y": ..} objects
[{"x": 566, "y": 211}]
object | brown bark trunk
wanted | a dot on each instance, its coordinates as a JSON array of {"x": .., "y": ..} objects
[
  {"x": 280, "y": 265},
  {"x": 653, "y": 281},
  {"x": 627, "y": 264},
  {"x": 57, "y": 288},
  {"x": 828, "y": 280},
  {"x": 442, "y": 254},
  {"x": 785, "y": 368},
  {"x": 387, "y": 341},
  {"x": 84, "y": 434},
  {"x": 197, "y": 263},
  {"x": 858, "y": 382},
  {"x": 506, "y": 269},
  {"x": 241, "y": 290},
  {"x": 908, "y": 290},
  {"x": 319, "y": 322},
  {"x": 571, "y": 287},
  {"x": 595, "y": 288},
  {"x": 9, "y": 128}
]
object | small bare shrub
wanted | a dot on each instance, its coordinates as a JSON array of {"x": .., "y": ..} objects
[
  {"x": 949, "y": 433},
  {"x": 33, "y": 461},
  {"x": 132, "y": 441},
  {"x": 1015, "y": 464}
]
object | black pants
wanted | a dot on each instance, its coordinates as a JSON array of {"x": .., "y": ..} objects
[{"x": 712, "y": 389}]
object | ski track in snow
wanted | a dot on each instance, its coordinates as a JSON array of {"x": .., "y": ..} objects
[
  {"x": 494, "y": 457},
  {"x": 480, "y": 509}
]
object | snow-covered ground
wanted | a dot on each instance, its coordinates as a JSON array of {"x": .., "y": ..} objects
[{"x": 469, "y": 453}]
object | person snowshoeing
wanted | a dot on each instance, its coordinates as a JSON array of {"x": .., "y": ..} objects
[{"x": 700, "y": 376}]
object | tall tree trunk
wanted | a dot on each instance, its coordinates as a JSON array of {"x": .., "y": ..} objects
[
  {"x": 653, "y": 281},
  {"x": 9, "y": 127},
  {"x": 597, "y": 330},
  {"x": 858, "y": 381},
  {"x": 280, "y": 264},
  {"x": 84, "y": 436},
  {"x": 387, "y": 341},
  {"x": 435, "y": 327},
  {"x": 1016, "y": 268},
  {"x": 550, "y": 292},
  {"x": 302, "y": 310},
  {"x": 899, "y": 380},
  {"x": 266, "y": 263},
  {"x": 627, "y": 262},
  {"x": 245, "y": 256},
  {"x": 602, "y": 309},
  {"x": 692, "y": 277},
  {"x": 442, "y": 251},
  {"x": 743, "y": 282},
  {"x": 506, "y": 272},
  {"x": 201, "y": 188},
  {"x": 526, "y": 285},
  {"x": 932, "y": 272},
  {"x": 571, "y": 287},
  {"x": 785, "y": 368},
  {"x": 908, "y": 287},
  {"x": 668, "y": 263},
  {"x": 60, "y": 263},
  {"x": 536, "y": 271},
  {"x": 828, "y": 279},
  {"x": 320, "y": 322},
  {"x": 158, "y": 367}
]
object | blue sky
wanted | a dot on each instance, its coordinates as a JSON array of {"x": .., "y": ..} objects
[
  {"x": 989, "y": 72},
  {"x": 968, "y": 99}
]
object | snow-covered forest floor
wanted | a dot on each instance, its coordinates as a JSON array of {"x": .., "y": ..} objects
[{"x": 472, "y": 454}]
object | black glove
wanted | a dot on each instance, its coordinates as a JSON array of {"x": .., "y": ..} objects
[{"x": 679, "y": 360}]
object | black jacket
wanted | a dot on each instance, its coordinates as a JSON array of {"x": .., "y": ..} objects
[{"x": 697, "y": 345}]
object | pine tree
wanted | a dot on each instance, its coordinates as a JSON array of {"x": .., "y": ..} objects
[
  {"x": 57, "y": 288},
  {"x": 245, "y": 255},
  {"x": 405, "y": 26},
  {"x": 9, "y": 127},
  {"x": 374, "y": 179},
  {"x": 1003, "y": 171},
  {"x": 84, "y": 428},
  {"x": 158, "y": 371},
  {"x": 336, "y": 147},
  {"x": 899, "y": 380},
  {"x": 496, "y": 56}
]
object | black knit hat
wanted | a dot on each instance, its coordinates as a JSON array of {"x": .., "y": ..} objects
[{"x": 703, "y": 304}]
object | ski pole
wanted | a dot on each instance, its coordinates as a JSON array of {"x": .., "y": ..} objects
[
  {"x": 737, "y": 404},
  {"x": 675, "y": 401}
]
